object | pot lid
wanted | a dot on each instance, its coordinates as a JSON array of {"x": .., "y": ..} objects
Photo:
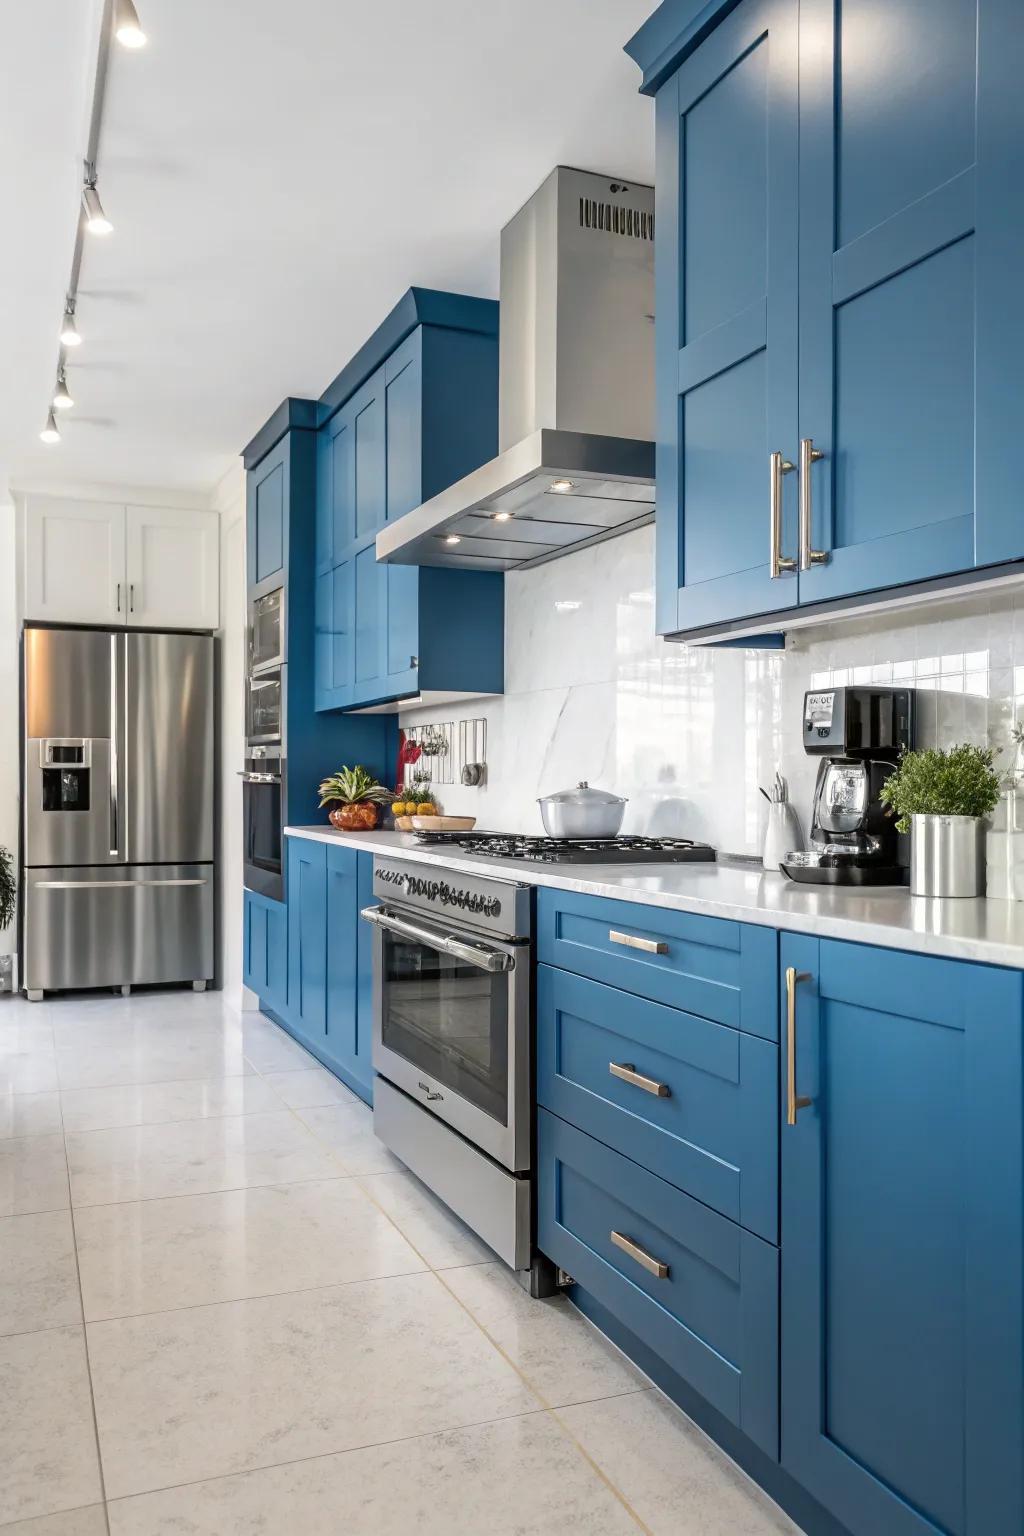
[{"x": 582, "y": 795}]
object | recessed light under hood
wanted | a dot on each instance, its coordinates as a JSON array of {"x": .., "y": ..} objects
[{"x": 575, "y": 394}]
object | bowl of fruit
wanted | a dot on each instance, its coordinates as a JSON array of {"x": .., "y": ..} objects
[
  {"x": 412, "y": 809},
  {"x": 355, "y": 798}
]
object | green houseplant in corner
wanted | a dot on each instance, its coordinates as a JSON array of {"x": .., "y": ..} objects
[
  {"x": 355, "y": 796},
  {"x": 8, "y": 889},
  {"x": 941, "y": 797}
]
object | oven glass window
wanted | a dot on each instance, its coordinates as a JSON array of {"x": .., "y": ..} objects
[
  {"x": 265, "y": 708},
  {"x": 266, "y": 629},
  {"x": 448, "y": 1018},
  {"x": 262, "y": 809}
]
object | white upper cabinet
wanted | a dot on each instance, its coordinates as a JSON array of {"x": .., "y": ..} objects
[
  {"x": 74, "y": 561},
  {"x": 173, "y": 569},
  {"x": 92, "y": 562}
]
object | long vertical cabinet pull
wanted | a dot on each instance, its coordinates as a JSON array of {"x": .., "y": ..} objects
[
  {"x": 778, "y": 562},
  {"x": 114, "y": 763},
  {"x": 808, "y": 455},
  {"x": 794, "y": 1101}
]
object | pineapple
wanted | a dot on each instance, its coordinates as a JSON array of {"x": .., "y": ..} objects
[{"x": 355, "y": 796}]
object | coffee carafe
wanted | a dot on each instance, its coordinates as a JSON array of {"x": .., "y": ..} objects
[{"x": 858, "y": 734}]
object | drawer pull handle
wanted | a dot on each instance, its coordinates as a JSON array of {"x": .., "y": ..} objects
[
  {"x": 631, "y": 941},
  {"x": 640, "y": 1255},
  {"x": 794, "y": 1101},
  {"x": 628, "y": 1073}
]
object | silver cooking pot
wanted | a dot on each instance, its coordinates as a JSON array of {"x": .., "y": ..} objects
[{"x": 582, "y": 812}]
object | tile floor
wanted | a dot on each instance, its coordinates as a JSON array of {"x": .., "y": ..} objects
[{"x": 226, "y": 1309}]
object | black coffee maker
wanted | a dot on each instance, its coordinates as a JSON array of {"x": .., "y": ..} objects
[{"x": 858, "y": 733}]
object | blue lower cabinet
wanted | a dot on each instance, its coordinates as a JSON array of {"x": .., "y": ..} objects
[
  {"x": 903, "y": 1242},
  {"x": 693, "y": 1101},
  {"x": 693, "y": 1286},
  {"x": 265, "y": 950},
  {"x": 347, "y": 1045},
  {"x": 721, "y": 970},
  {"x": 307, "y": 939}
]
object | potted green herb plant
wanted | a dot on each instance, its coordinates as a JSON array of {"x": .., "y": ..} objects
[
  {"x": 355, "y": 796},
  {"x": 941, "y": 797}
]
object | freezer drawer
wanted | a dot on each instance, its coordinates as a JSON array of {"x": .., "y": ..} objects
[{"x": 105, "y": 927}]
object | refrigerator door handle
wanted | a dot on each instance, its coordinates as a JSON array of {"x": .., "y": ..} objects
[{"x": 114, "y": 761}]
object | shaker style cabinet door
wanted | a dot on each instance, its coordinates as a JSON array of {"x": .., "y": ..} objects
[
  {"x": 75, "y": 561},
  {"x": 911, "y": 312},
  {"x": 903, "y": 1239},
  {"x": 726, "y": 338},
  {"x": 173, "y": 568}
]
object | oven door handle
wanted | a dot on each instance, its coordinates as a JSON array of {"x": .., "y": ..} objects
[
  {"x": 259, "y": 778},
  {"x": 492, "y": 960}
]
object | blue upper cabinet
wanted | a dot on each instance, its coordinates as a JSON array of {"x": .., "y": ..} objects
[
  {"x": 836, "y": 285},
  {"x": 414, "y": 411},
  {"x": 903, "y": 1241},
  {"x": 726, "y": 304}
]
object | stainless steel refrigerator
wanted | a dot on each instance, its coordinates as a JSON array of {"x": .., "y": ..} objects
[{"x": 118, "y": 795}]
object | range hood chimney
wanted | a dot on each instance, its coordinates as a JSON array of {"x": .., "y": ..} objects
[{"x": 575, "y": 388}]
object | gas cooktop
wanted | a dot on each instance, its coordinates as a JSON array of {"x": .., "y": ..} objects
[{"x": 573, "y": 850}]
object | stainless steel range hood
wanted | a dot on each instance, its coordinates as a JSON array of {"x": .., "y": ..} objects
[{"x": 576, "y": 388}]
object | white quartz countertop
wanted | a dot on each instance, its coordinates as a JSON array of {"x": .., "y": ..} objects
[{"x": 977, "y": 929}]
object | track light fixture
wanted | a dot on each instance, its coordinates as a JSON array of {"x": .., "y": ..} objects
[
  {"x": 96, "y": 221},
  {"x": 50, "y": 433},
  {"x": 127, "y": 27},
  {"x": 62, "y": 395},
  {"x": 69, "y": 336}
]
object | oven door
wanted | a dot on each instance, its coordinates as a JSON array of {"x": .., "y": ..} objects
[
  {"x": 264, "y": 708},
  {"x": 266, "y": 632},
  {"x": 451, "y": 1026},
  {"x": 262, "y": 799}
]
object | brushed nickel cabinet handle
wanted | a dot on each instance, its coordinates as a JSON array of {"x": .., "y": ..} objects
[
  {"x": 778, "y": 562},
  {"x": 639, "y": 1255},
  {"x": 626, "y": 1071},
  {"x": 631, "y": 941},
  {"x": 808, "y": 455},
  {"x": 794, "y": 1101}
]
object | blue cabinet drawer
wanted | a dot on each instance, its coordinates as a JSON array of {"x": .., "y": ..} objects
[
  {"x": 712, "y": 1315},
  {"x": 706, "y": 965},
  {"x": 704, "y": 1116}
]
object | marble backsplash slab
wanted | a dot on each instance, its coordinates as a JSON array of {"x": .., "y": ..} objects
[{"x": 688, "y": 733}]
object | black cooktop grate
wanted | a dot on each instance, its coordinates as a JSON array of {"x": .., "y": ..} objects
[{"x": 572, "y": 850}]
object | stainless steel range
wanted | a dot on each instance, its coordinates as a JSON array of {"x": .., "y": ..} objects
[
  {"x": 574, "y": 850},
  {"x": 452, "y": 1041}
]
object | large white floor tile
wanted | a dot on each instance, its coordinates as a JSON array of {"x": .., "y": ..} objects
[
  {"x": 518, "y": 1477},
  {"x": 28, "y": 1114},
  {"x": 38, "y": 1279},
  {"x": 307, "y": 1089},
  {"x": 155, "y": 1255},
  {"x": 348, "y": 1130},
  {"x": 146, "y": 1162},
  {"x": 207, "y": 1391},
  {"x": 149, "y": 1053},
  {"x": 74, "y": 1522},
  {"x": 97, "y": 1109},
  {"x": 47, "y": 1441},
  {"x": 271, "y": 1049},
  {"x": 555, "y": 1348},
  {"x": 442, "y": 1239},
  {"x": 678, "y": 1482},
  {"x": 28, "y": 1071},
  {"x": 23, "y": 1031},
  {"x": 33, "y": 1175}
]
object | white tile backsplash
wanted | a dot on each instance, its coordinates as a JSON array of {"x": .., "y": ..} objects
[{"x": 688, "y": 733}]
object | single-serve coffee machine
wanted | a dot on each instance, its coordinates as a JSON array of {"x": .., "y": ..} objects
[{"x": 858, "y": 733}]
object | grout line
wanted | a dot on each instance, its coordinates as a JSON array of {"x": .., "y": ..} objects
[
  {"x": 85, "y": 1345},
  {"x": 188, "y": 1194}
]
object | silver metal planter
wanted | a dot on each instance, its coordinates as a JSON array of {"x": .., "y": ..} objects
[{"x": 947, "y": 855}]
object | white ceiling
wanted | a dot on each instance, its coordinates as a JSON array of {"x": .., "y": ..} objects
[{"x": 277, "y": 175}]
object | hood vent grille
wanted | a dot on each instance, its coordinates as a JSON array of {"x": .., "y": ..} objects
[{"x": 614, "y": 219}]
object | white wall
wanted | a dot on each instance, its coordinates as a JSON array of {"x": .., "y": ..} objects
[
  {"x": 10, "y": 732},
  {"x": 688, "y": 733},
  {"x": 230, "y": 502}
]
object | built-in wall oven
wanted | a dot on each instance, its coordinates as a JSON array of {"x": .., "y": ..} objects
[
  {"x": 263, "y": 792},
  {"x": 266, "y": 632},
  {"x": 452, "y": 1041}
]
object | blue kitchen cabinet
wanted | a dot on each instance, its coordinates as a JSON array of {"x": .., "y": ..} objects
[
  {"x": 349, "y": 969},
  {"x": 902, "y": 1241},
  {"x": 307, "y": 940},
  {"x": 836, "y": 275},
  {"x": 267, "y": 520},
  {"x": 424, "y": 416},
  {"x": 265, "y": 951}
]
